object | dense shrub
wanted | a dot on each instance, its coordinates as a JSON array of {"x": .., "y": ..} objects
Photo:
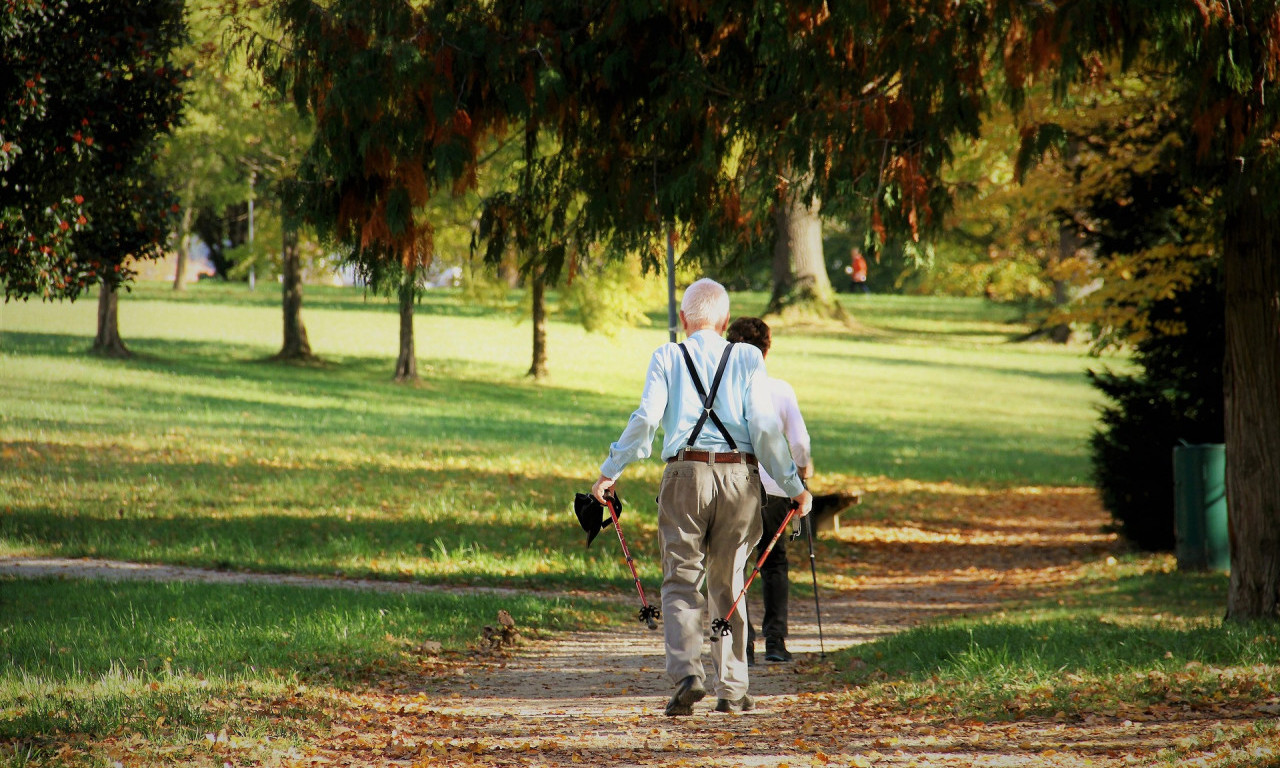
[{"x": 1176, "y": 396}]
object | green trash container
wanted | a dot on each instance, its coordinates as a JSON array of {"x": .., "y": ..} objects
[{"x": 1200, "y": 507}]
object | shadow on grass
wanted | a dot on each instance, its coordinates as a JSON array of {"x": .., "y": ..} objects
[{"x": 439, "y": 302}]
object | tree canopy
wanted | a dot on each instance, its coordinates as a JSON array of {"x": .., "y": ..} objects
[{"x": 86, "y": 86}]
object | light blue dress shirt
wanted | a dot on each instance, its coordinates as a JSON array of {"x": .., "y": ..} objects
[{"x": 744, "y": 404}]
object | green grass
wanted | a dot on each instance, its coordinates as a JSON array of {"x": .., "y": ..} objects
[
  {"x": 197, "y": 452},
  {"x": 1127, "y": 639},
  {"x": 89, "y": 658}
]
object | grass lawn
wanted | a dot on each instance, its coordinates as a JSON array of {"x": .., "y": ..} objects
[
  {"x": 1128, "y": 640},
  {"x": 197, "y": 452}
]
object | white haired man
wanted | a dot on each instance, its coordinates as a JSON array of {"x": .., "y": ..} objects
[{"x": 715, "y": 437}]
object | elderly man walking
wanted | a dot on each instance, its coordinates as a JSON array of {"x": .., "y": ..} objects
[{"x": 712, "y": 400}]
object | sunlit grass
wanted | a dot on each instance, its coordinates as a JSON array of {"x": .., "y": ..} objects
[{"x": 198, "y": 452}]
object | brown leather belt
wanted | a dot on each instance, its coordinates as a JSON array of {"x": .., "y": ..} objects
[{"x": 710, "y": 457}]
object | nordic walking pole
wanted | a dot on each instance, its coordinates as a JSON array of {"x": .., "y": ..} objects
[
  {"x": 649, "y": 614},
  {"x": 720, "y": 627},
  {"x": 813, "y": 569}
]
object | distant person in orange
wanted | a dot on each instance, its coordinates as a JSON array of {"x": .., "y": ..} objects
[{"x": 857, "y": 271}]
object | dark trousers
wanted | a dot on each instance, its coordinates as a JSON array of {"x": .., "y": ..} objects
[{"x": 773, "y": 574}]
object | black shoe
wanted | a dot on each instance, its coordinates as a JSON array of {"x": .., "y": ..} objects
[
  {"x": 744, "y": 704},
  {"x": 688, "y": 693},
  {"x": 751, "y": 654},
  {"x": 776, "y": 650}
]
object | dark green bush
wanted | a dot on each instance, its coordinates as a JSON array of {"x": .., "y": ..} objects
[{"x": 1176, "y": 397}]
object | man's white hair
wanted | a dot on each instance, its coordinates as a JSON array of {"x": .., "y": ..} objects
[{"x": 705, "y": 302}]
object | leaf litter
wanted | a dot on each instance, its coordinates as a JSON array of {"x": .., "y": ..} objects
[{"x": 596, "y": 697}]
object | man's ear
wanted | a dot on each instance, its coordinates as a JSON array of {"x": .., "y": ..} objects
[{"x": 723, "y": 325}]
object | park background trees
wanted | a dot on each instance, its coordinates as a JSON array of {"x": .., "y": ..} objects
[
  {"x": 86, "y": 87},
  {"x": 710, "y": 118}
]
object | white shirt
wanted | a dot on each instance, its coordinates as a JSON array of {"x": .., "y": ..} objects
[
  {"x": 784, "y": 402},
  {"x": 743, "y": 403}
]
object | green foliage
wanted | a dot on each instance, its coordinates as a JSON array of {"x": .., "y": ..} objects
[
  {"x": 401, "y": 96},
  {"x": 1148, "y": 258},
  {"x": 614, "y": 295},
  {"x": 238, "y": 141},
  {"x": 86, "y": 86}
]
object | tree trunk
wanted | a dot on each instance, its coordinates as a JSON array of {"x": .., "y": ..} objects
[
  {"x": 538, "y": 290},
  {"x": 296, "y": 346},
  {"x": 800, "y": 282},
  {"x": 1069, "y": 241},
  {"x": 184, "y": 241},
  {"x": 108, "y": 342},
  {"x": 407, "y": 363},
  {"x": 1252, "y": 404},
  {"x": 509, "y": 270}
]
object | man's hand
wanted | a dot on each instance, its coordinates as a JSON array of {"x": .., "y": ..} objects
[
  {"x": 602, "y": 485},
  {"x": 805, "y": 472},
  {"x": 805, "y": 500}
]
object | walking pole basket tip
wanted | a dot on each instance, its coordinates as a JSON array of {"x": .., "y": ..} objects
[
  {"x": 591, "y": 517},
  {"x": 720, "y": 627}
]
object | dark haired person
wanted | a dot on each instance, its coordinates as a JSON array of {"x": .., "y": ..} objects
[
  {"x": 712, "y": 401},
  {"x": 773, "y": 574}
]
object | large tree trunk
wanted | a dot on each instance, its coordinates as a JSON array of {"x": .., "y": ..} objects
[
  {"x": 407, "y": 362},
  {"x": 184, "y": 241},
  {"x": 108, "y": 341},
  {"x": 800, "y": 283},
  {"x": 1252, "y": 403},
  {"x": 296, "y": 346},
  {"x": 538, "y": 291}
]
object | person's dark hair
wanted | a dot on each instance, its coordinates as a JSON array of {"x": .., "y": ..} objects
[{"x": 751, "y": 330}]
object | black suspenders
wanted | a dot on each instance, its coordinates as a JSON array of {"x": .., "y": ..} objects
[{"x": 708, "y": 398}]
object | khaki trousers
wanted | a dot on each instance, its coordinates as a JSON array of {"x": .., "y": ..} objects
[{"x": 708, "y": 520}]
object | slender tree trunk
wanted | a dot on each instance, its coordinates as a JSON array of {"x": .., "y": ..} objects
[
  {"x": 108, "y": 341},
  {"x": 800, "y": 282},
  {"x": 538, "y": 291},
  {"x": 407, "y": 363},
  {"x": 184, "y": 241},
  {"x": 1069, "y": 241},
  {"x": 296, "y": 346},
  {"x": 1252, "y": 403}
]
